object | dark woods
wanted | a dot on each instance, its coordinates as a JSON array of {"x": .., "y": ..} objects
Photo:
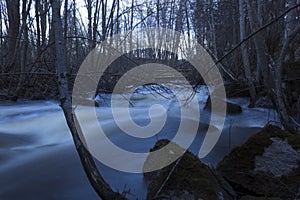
[
  {"x": 256, "y": 45},
  {"x": 266, "y": 60},
  {"x": 267, "y": 63}
]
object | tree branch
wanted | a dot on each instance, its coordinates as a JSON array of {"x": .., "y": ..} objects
[{"x": 257, "y": 31}]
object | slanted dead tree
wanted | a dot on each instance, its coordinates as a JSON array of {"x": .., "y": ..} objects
[{"x": 100, "y": 186}]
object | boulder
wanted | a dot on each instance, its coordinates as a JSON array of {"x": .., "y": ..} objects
[
  {"x": 186, "y": 178},
  {"x": 264, "y": 102},
  {"x": 236, "y": 89},
  {"x": 231, "y": 108},
  {"x": 266, "y": 165},
  {"x": 86, "y": 101},
  {"x": 248, "y": 197},
  {"x": 3, "y": 97},
  {"x": 38, "y": 96}
]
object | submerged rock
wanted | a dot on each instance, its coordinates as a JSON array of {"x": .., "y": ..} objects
[
  {"x": 3, "y": 97},
  {"x": 267, "y": 165},
  {"x": 231, "y": 108},
  {"x": 264, "y": 102},
  {"x": 237, "y": 89},
  {"x": 258, "y": 198},
  {"x": 186, "y": 178}
]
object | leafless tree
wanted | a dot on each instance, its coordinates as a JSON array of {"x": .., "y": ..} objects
[
  {"x": 98, "y": 183},
  {"x": 13, "y": 12},
  {"x": 245, "y": 54}
]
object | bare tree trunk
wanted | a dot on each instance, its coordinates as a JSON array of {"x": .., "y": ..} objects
[
  {"x": 37, "y": 21},
  {"x": 43, "y": 11},
  {"x": 212, "y": 29},
  {"x": 235, "y": 34},
  {"x": 280, "y": 101},
  {"x": 98, "y": 183},
  {"x": 157, "y": 12},
  {"x": 104, "y": 4},
  {"x": 261, "y": 50},
  {"x": 24, "y": 31},
  {"x": 178, "y": 27},
  {"x": 245, "y": 55},
  {"x": 75, "y": 33},
  {"x": 171, "y": 15},
  {"x": 131, "y": 27},
  {"x": 188, "y": 24},
  {"x": 117, "y": 18},
  {"x": 291, "y": 18},
  {"x": 90, "y": 30},
  {"x": 198, "y": 22},
  {"x": 13, "y": 11},
  {"x": 66, "y": 13},
  {"x": 95, "y": 24},
  {"x": 159, "y": 45},
  {"x": 290, "y": 24},
  {"x": 1, "y": 41}
]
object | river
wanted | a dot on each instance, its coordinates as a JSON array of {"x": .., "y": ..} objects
[{"x": 38, "y": 159}]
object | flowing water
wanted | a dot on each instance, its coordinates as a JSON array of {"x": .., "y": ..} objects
[{"x": 38, "y": 159}]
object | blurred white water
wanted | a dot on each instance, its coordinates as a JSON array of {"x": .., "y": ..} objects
[
  {"x": 32, "y": 131},
  {"x": 44, "y": 122}
]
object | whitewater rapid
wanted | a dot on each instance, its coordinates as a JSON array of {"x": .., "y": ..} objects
[{"x": 34, "y": 132}]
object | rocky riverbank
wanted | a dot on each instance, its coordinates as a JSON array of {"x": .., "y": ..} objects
[{"x": 266, "y": 166}]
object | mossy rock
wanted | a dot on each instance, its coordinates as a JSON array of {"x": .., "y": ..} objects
[
  {"x": 259, "y": 169},
  {"x": 186, "y": 178}
]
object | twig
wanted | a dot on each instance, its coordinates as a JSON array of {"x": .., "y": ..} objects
[
  {"x": 168, "y": 177},
  {"x": 229, "y": 134},
  {"x": 250, "y": 36},
  {"x": 258, "y": 30},
  {"x": 298, "y": 194}
]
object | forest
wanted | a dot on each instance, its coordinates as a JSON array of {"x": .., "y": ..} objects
[
  {"x": 266, "y": 61},
  {"x": 255, "y": 45}
]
